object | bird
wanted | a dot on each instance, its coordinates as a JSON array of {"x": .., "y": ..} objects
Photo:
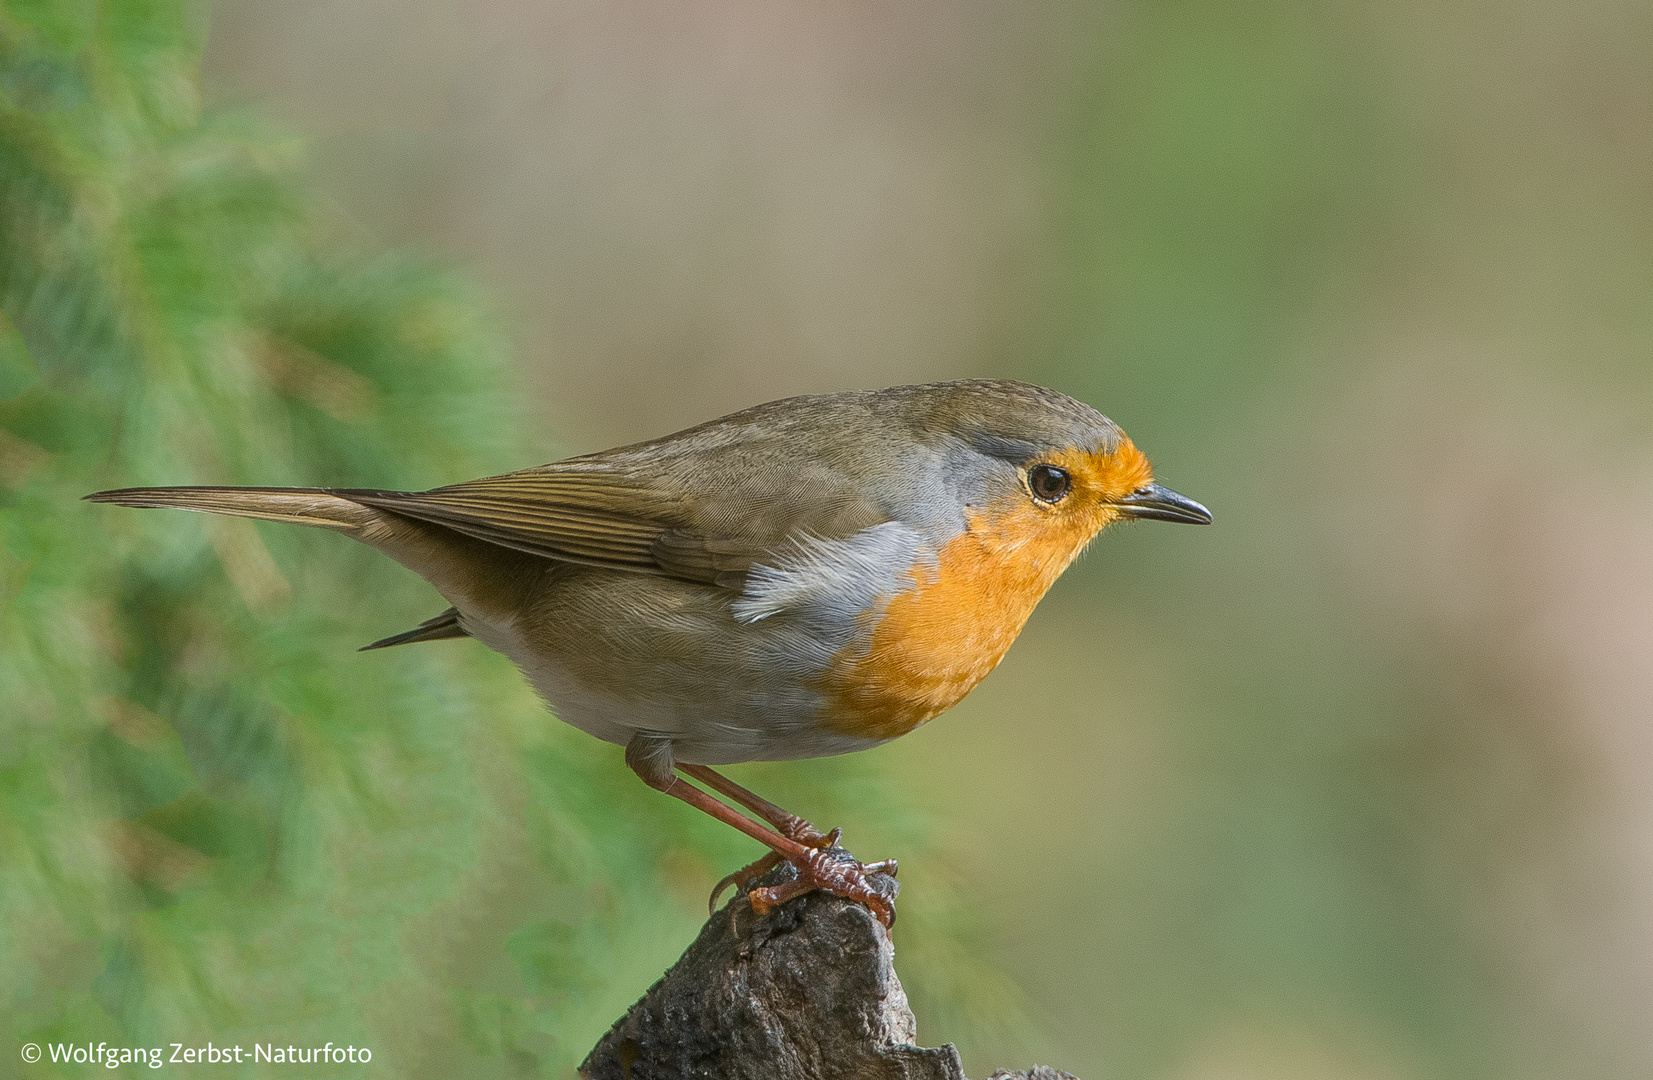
[{"x": 807, "y": 577}]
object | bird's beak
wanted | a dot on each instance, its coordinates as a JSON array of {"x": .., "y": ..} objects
[{"x": 1162, "y": 504}]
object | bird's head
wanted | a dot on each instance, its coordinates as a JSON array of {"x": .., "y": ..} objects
[{"x": 1054, "y": 463}]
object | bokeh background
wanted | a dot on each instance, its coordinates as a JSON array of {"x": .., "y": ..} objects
[{"x": 1357, "y": 783}]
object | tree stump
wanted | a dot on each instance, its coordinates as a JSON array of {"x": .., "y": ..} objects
[{"x": 806, "y": 992}]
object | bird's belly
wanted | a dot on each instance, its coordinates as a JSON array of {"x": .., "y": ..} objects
[{"x": 676, "y": 665}]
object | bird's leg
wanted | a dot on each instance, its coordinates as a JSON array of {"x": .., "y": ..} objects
[
  {"x": 650, "y": 758},
  {"x": 787, "y": 824}
]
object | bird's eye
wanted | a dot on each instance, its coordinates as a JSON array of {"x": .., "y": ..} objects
[{"x": 1048, "y": 483}]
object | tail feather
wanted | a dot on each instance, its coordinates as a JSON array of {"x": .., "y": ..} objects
[
  {"x": 470, "y": 573},
  {"x": 302, "y": 506},
  {"x": 445, "y": 625}
]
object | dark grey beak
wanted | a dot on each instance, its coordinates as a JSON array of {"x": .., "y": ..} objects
[{"x": 1162, "y": 504}]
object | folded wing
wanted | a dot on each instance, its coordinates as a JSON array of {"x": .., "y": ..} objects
[{"x": 581, "y": 512}]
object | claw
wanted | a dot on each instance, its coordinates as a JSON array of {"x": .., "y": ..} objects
[
  {"x": 838, "y": 875},
  {"x": 756, "y": 869},
  {"x": 744, "y": 876}
]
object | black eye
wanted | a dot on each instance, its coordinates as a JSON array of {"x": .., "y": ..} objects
[{"x": 1049, "y": 484}]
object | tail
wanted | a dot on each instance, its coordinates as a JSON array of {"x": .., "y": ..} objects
[
  {"x": 301, "y": 506},
  {"x": 477, "y": 577}
]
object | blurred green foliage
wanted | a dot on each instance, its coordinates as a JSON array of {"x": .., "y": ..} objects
[{"x": 219, "y": 822}]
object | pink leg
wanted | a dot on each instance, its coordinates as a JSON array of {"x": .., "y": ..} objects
[
  {"x": 788, "y": 824},
  {"x": 650, "y": 759}
]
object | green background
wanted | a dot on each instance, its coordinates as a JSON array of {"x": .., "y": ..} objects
[{"x": 1354, "y": 784}]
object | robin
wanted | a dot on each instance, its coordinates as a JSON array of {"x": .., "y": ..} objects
[{"x": 813, "y": 576}]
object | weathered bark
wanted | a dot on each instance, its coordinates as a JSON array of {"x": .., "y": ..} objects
[{"x": 807, "y": 992}]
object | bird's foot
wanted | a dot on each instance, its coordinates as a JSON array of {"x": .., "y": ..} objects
[
  {"x": 835, "y": 870},
  {"x": 742, "y": 879},
  {"x": 796, "y": 829}
]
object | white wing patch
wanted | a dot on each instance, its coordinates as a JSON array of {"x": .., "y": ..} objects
[{"x": 836, "y": 579}]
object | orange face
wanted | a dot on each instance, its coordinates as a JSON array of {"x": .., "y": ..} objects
[{"x": 937, "y": 640}]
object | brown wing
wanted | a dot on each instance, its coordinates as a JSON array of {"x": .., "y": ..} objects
[
  {"x": 624, "y": 519},
  {"x": 573, "y": 517}
]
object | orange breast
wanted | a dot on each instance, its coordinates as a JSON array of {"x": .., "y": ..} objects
[{"x": 940, "y": 638}]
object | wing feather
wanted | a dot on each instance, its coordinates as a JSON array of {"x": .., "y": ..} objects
[{"x": 626, "y": 516}]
